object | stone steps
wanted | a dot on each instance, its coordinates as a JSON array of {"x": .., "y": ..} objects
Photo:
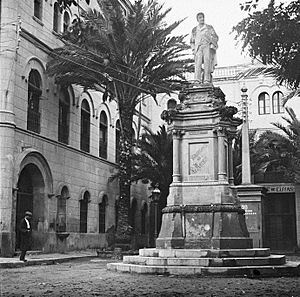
[
  {"x": 204, "y": 253},
  {"x": 203, "y": 262},
  {"x": 206, "y": 262},
  {"x": 288, "y": 269}
]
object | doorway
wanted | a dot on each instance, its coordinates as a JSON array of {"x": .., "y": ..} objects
[
  {"x": 279, "y": 221},
  {"x": 30, "y": 196}
]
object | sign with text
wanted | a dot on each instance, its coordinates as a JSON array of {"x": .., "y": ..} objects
[
  {"x": 198, "y": 155},
  {"x": 281, "y": 189}
]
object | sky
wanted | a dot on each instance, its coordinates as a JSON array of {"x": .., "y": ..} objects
[{"x": 221, "y": 14}]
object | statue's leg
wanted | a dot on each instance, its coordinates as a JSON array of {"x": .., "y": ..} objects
[
  {"x": 207, "y": 64},
  {"x": 198, "y": 65}
]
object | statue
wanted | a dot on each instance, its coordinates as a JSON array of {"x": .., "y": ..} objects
[{"x": 204, "y": 43}]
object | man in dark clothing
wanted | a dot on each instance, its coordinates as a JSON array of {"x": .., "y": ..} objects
[{"x": 25, "y": 234}]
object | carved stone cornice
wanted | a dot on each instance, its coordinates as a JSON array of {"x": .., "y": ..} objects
[
  {"x": 178, "y": 133},
  {"x": 203, "y": 208}
]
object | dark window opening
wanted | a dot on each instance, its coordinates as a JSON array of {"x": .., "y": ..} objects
[
  {"x": 63, "y": 117},
  {"x": 103, "y": 136},
  {"x": 66, "y": 21},
  {"x": 56, "y": 15},
  {"x": 118, "y": 138},
  {"x": 102, "y": 215},
  {"x": 34, "y": 94},
  {"x": 171, "y": 104},
  {"x": 85, "y": 127},
  {"x": 38, "y": 9},
  {"x": 61, "y": 223},
  {"x": 84, "y": 212}
]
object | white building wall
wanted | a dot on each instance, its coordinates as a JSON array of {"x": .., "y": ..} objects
[{"x": 69, "y": 166}]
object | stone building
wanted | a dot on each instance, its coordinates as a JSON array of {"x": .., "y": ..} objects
[{"x": 58, "y": 146}]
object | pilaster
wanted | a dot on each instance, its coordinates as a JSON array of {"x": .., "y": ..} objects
[{"x": 8, "y": 59}]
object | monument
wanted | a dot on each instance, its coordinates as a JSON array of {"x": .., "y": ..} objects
[
  {"x": 203, "y": 227},
  {"x": 204, "y": 43}
]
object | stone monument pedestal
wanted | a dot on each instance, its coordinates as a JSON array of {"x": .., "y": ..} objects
[{"x": 202, "y": 212}]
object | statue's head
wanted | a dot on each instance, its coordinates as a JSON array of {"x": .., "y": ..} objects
[{"x": 200, "y": 17}]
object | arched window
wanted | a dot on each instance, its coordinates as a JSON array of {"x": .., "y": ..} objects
[
  {"x": 61, "y": 221},
  {"x": 103, "y": 135},
  {"x": 84, "y": 212},
  {"x": 171, "y": 104},
  {"x": 66, "y": 21},
  {"x": 56, "y": 17},
  {"x": 263, "y": 103},
  {"x": 132, "y": 214},
  {"x": 34, "y": 94},
  {"x": 63, "y": 116},
  {"x": 144, "y": 211},
  {"x": 277, "y": 102},
  {"x": 85, "y": 126},
  {"x": 102, "y": 214},
  {"x": 118, "y": 137},
  {"x": 38, "y": 9}
]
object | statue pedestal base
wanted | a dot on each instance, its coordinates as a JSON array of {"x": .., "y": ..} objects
[{"x": 219, "y": 226}]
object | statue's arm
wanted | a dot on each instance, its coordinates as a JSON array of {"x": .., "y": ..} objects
[
  {"x": 214, "y": 37},
  {"x": 192, "y": 40}
]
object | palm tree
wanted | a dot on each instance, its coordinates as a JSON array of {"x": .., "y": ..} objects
[
  {"x": 282, "y": 151},
  {"x": 125, "y": 56},
  {"x": 153, "y": 163}
]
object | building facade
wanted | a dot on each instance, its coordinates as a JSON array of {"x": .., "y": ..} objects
[
  {"x": 58, "y": 146},
  {"x": 277, "y": 217}
]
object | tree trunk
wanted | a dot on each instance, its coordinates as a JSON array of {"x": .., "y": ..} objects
[{"x": 124, "y": 230}]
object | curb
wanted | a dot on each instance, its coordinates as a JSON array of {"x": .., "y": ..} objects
[{"x": 50, "y": 261}]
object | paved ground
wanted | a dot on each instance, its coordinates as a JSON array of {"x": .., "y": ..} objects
[
  {"x": 40, "y": 259},
  {"x": 89, "y": 277}
]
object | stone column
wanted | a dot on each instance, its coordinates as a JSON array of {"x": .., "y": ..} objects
[
  {"x": 230, "y": 161},
  {"x": 8, "y": 59},
  {"x": 176, "y": 156},
  {"x": 221, "y": 155},
  {"x": 246, "y": 168}
]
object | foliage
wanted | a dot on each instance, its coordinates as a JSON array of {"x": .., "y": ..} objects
[
  {"x": 227, "y": 113},
  {"x": 284, "y": 150},
  {"x": 273, "y": 35},
  {"x": 153, "y": 161},
  {"x": 168, "y": 115},
  {"x": 272, "y": 151},
  {"x": 63, "y": 4},
  {"x": 126, "y": 56}
]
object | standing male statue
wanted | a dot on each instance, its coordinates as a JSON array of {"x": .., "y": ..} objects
[{"x": 204, "y": 43}]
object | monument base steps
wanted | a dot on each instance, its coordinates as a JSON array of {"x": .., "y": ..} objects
[{"x": 256, "y": 262}]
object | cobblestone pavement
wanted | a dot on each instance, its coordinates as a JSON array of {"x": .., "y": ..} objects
[{"x": 89, "y": 277}]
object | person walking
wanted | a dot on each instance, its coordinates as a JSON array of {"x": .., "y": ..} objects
[
  {"x": 25, "y": 234},
  {"x": 204, "y": 43}
]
